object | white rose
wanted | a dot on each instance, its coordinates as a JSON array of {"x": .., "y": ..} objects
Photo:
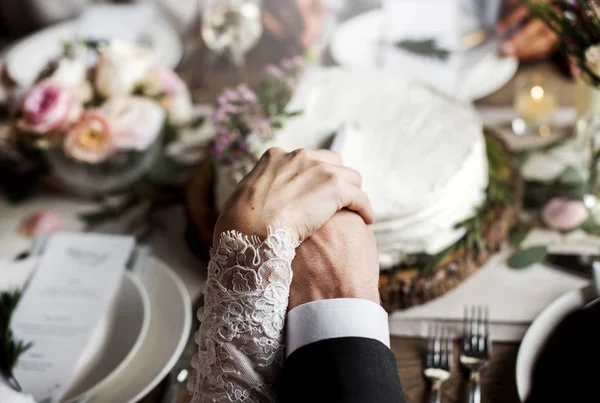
[
  {"x": 176, "y": 96},
  {"x": 592, "y": 58},
  {"x": 71, "y": 74},
  {"x": 136, "y": 121},
  {"x": 179, "y": 107},
  {"x": 120, "y": 67}
]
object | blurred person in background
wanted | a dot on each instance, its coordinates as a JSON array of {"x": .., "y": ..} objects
[
  {"x": 295, "y": 22},
  {"x": 531, "y": 38}
]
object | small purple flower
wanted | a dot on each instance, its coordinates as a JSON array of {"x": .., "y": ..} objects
[
  {"x": 231, "y": 108},
  {"x": 221, "y": 143},
  {"x": 227, "y": 96},
  {"x": 274, "y": 71},
  {"x": 247, "y": 94},
  {"x": 292, "y": 63},
  {"x": 219, "y": 116}
]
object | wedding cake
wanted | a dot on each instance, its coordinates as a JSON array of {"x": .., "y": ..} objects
[{"x": 422, "y": 154}]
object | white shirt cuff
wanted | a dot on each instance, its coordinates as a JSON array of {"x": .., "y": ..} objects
[{"x": 334, "y": 318}]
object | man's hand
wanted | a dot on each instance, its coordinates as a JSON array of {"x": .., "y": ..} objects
[
  {"x": 302, "y": 190},
  {"x": 298, "y": 21},
  {"x": 533, "y": 41},
  {"x": 338, "y": 261}
]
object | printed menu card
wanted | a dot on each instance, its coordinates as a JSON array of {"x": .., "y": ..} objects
[{"x": 71, "y": 291}]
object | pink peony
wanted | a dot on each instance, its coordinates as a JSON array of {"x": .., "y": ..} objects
[
  {"x": 41, "y": 223},
  {"x": 92, "y": 139},
  {"x": 136, "y": 121},
  {"x": 564, "y": 214},
  {"x": 48, "y": 108}
]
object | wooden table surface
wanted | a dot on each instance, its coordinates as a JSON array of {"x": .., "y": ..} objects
[{"x": 498, "y": 381}]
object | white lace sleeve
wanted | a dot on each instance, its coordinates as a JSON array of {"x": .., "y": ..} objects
[{"x": 240, "y": 338}]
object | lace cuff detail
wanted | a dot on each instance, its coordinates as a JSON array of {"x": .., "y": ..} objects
[{"x": 240, "y": 338}]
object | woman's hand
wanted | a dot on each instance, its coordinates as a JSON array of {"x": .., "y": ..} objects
[
  {"x": 533, "y": 41},
  {"x": 301, "y": 190}
]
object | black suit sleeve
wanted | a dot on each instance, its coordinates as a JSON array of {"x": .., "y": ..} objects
[{"x": 343, "y": 370}]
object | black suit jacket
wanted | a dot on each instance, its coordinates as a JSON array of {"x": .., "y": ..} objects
[{"x": 343, "y": 370}]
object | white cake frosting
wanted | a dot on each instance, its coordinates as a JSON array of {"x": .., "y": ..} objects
[{"x": 421, "y": 154}]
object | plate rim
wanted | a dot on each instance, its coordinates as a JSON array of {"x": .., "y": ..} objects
[
  {"x": 539, "y": 331},
  {"x": 178, "y": 345},
  {"x": 136, "y": 346},
  {"x": 184, "y": 334},
  {"x": 511, "y": 63},
  {"x": 176, "y": 47}
]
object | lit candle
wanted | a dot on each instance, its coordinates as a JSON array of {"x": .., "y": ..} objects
[{"x": 535, "y": 106}]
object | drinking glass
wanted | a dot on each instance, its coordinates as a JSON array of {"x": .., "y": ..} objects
[
  {"x": 232, "y": 27},
  {"x": 535, "y": 102}
]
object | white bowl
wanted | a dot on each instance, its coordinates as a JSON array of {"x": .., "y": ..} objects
[{"x": 541, "y": 329}]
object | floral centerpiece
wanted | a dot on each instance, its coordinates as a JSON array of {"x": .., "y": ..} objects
[
  {"x": 102, "y": 113},
  {"x": 244, "y": 120}
]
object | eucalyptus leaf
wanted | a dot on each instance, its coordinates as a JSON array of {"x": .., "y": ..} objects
[
  {"x": 524, "y": 258},
  {"x": 591, "y": 226},
  {"x": 518, "y": 234}
]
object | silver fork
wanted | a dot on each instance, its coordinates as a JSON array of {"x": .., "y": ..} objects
[
  {"x": 438, "y": 360},
  {"x": 476, "y": 347}
]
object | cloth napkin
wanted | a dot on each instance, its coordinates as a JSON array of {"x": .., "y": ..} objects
[{"x": 514, "y": 298}]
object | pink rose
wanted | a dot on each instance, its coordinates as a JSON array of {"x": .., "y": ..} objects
[
  {"x": 136, "y": 121},
  {"x": 48, "y": 108},
  {"x": 564, "y": 214},
  {"x": 41, "y": 223},
  {"x": 91, "y": 139},
  {"x": 176, "y": 98}
]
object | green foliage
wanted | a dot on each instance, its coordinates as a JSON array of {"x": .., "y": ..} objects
[
  {"x": 576, "y": 23},
  {"x": 500, "y": 190},
  {"x": 518, "y": 234},
  {"x": 569, "y": 185},
  {"x": 10, "y": 348},
  {"x": 524, "y": 258}
]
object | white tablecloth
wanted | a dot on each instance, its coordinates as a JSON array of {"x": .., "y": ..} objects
[{"x": 168, "y": 244}]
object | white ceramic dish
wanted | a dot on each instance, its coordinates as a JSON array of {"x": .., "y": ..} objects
[
  {"x": 26, "y": 58},
  {"x": 170, "y": 326},
  {"x": 355, "y": 44},
  {"x": 541, "y": 329},
  {"x": 116, "y": 339}
]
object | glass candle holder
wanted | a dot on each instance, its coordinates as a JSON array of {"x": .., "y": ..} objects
[{"x": 535, "y": 102}]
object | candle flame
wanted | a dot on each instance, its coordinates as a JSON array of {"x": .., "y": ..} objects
[{"x": 537, "y": 93}]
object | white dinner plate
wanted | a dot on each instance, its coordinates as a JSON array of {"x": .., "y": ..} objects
[
  {"x": 170, "y": 324},
  {"x": 356, "y": 42},
  {"x": 116, "y": 339},
  {"x": 541, "y": 329},
  {"x": 26, "y": 58}
]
